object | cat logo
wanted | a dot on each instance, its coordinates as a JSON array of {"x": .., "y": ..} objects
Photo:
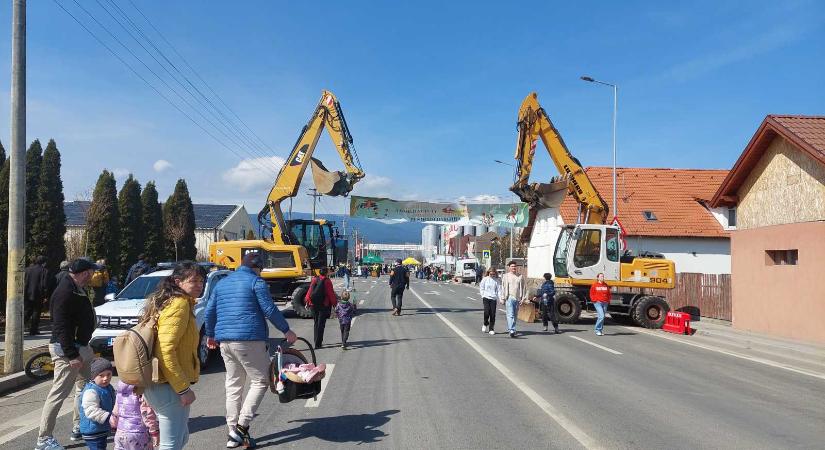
[{"x": 299, "y": 156}]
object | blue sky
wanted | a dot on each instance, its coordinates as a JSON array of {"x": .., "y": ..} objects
[{"x": 431, "y": 90}]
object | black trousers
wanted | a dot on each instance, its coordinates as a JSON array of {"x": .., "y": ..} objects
[
  {"x": 548, "y": 313},
  {"x": 320, "y": 315},
  {"x": 397, "y": 295},
  {"x": 31, "y": 315},
  {"x": 489, "y": 312},
  {"x": 345, "y": 332}
]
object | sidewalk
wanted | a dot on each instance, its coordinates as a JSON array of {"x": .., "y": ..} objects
[{"x": 30, "y": 342}]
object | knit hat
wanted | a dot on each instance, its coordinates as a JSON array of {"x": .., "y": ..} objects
[{"x": 99, "y": 365}]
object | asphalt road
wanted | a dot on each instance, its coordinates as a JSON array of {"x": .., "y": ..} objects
[{"x": 431, "y": 379}]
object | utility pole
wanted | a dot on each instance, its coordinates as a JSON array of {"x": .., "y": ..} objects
[
  {"x": 315, "y": 196},
  {"x": 13, "y": 362}
]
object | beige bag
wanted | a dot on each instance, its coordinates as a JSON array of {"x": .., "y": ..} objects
[{"x": 133, "y": 355}]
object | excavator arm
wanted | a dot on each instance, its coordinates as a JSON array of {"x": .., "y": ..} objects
[
  {"x": 327, "y": 114},
  {"x": 533, "y": 123}
]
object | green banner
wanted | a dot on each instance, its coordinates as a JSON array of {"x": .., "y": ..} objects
[{"x": 494, "y": 215}]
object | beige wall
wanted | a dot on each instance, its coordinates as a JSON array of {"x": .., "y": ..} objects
[
  {"x": 787, "y": 301},
  {"x": 786, "y": 186}
]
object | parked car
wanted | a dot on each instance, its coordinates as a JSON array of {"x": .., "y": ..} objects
[{"x": 123, "y": 310}]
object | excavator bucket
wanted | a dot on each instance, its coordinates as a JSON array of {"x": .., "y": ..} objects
[
  {"x": 332, "y": 183},
  {"x": 544, "y": 195}
]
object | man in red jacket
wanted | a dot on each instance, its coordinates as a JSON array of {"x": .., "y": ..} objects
[
  {"x": 321, "y": 299},
  {"x": 600, "y": 296}
]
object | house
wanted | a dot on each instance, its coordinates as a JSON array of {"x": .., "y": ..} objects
[
  {"x": 778, "y": 189},
  {"x": 212, "y": 223}
]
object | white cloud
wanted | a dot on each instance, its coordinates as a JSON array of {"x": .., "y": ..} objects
[
  {"x": 121, "y": 174},
  {"x": 481, "y": 198},
  {"x": 161, "y": 165},
  {"x": 254, "y": 173},
  {"x": 374, "y": 185}
]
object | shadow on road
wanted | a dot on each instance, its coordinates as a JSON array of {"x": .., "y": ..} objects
[
  {"x": 353, "y": 428},
  {"x": 205, "y": 423}
]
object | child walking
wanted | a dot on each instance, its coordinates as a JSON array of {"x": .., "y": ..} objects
[
  {"x": 547, "y": 291},
  {"x": 134, "y": 419},
  {"x": 345, "y": 310},
  {"x": 96, "y": 405}
]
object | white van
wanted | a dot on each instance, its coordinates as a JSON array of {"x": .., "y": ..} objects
[{"x": 466, "y": 269}]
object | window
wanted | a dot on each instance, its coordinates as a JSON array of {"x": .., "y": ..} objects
[
  {"x": 588, "y": 248},
  {"x": 648, "y": 215},
  {"x": 612, "y": 237},
  {"x": 781, "y": 257},
  {"x": 732, "y": 217}
]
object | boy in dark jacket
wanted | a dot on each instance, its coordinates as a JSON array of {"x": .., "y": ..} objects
[{"x": 547, "y": 303}]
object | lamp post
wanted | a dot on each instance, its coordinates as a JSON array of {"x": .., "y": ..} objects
[
  {"x": 615, "y": 112},
  {"x": 513, "y": 199}
]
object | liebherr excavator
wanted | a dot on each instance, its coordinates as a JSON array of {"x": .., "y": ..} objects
[
  {"x": 589, "y": 247},
  {"x": 293, "y": 250}
]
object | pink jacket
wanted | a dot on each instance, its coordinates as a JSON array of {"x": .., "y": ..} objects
[{"x": 131, "y": 413}]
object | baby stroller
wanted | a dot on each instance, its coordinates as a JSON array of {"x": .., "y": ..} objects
[{"x": 294, "y": 387}]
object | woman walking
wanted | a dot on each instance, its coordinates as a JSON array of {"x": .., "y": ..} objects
[
  {"x": 176, "y": 348},
  {"x": 600, "y": 296},
  {"x": 490, "y": 290}
]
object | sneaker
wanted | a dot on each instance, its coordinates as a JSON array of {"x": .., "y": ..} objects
[
  {"x": 545, "y": 328},
  {"x": 47, "y": 443},
  {"x": 76, "y": 436},
  {"x": 557, "y": 330},
  {"x": 512, "y": 334},
  {"x": 231, "y": 442},
  {"x": 599, "y": 333},
  {"x": 484, "y": 329},
  {"x": 492, "y": 332},
  {"x": 241, "y": 435}
]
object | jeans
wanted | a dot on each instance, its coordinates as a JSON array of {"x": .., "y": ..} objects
[
  {"x": 345, "y": 327},
  {"x": 65, "y": 381},
  {"x": 320, "y": 315},
  {"x": 489, "y": 312},
  {"x": 346, "y": 282},
  {"x": 601, "y": 308},
  {"x": 397, "y": 295},
  {"x": 173, "y": 418},
  {"x": 98, "y": 443},
  {"x": 244, "y": 360},
  {"x": 512, "y": 312}
]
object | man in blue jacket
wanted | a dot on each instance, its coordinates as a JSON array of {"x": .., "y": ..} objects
[{"x": 236, "y": 316}]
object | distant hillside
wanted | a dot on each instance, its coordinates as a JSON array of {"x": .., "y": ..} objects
[{"x": 372, "y": 230}]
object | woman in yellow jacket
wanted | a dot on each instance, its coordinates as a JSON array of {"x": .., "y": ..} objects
[{"x": 176, "y": 349}]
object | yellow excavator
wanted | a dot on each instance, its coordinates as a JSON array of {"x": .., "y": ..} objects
[
  {"x": 588, "y": 247},
  {"x": 294, "y": 250}
]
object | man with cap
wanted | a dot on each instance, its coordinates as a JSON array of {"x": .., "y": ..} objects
[
  {"x": 73, "y": 321},
  {"x": 399, "y": 280},
  {"x": 236, "y": 315}
]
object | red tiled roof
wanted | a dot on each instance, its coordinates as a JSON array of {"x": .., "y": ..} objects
[
  {"x": 805, "y": 132},
  {"x": 672, "y": 195}
]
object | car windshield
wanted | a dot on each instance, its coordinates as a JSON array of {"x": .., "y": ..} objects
[
  {"x": 469, "y": 266},
  {"x": 140, "y": 288}
]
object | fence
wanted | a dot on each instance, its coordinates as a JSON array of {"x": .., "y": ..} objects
[{"x": 700, "y": 294}]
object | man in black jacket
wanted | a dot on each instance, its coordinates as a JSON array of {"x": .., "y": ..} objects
[
  {"x": 35, "y": 293},
  {"x": 399, "y": 280},
  {"x": 73, "y": 321}
]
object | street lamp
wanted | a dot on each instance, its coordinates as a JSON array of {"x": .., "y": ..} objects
[
  {"x": 514, "y": 199},
  {"x": 615, "y": 112}
]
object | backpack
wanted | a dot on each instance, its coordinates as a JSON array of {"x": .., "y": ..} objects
[
  {"x": 318, "y": 294},
  {"x": 133, "y": 354}
]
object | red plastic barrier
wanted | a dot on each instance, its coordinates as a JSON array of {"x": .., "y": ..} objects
[{"x": 677, "y": 322}]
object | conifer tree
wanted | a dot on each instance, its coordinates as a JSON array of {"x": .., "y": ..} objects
[
  {"x": 4, "y": 223},
  {"x": 49, "y": 225},
  {"x": 179, "y": 224},
  {"x": 131, "y": 223},
  {"x": 103, "y": 224},
  {"x": 153, "y": 240},
  {"x": 34, "y": 158}
]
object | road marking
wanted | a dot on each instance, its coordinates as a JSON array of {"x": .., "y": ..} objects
[
  {"x": 596, "y": 345},
  {"x": 31, "y": 421},
  {"x": 502, "y": 310},
  {"x": 472, "y": 298},
  {"x": 766, "y": 362},
  {"x": 450, "y": 290},
  {"x": 314, "y": 402},
  {"x": 431, "y": 293},
  {"x": 570, "y": 426},
  {"x": 361, "y": 302}
]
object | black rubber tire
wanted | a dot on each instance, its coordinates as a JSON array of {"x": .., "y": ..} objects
[
  {"x": 650, "y": 312},
  {"x": 568, "y": 307},
  {"x": 298, "y": 302},
  {"x": 34, "y": 366}
]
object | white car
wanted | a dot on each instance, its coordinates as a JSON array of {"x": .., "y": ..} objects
[{"x": 122, "y": 311}]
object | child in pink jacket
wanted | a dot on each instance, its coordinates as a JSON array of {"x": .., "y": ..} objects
[{"x": 136, "y": 423}]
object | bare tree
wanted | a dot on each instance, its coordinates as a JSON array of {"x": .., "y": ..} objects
[{"x": 175, "y": 231}]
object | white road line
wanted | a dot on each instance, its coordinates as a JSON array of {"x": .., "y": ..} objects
[
  {"x": 766, "y": 362},
  {"x": 314, "y": 402},
  {"x": 451, "y": 290},
  {"x": 31, "y": 421},
  {"x": 570, "y": 426},
  {"x": 472, "y": 298},
  {"x": 596, "y": 345},
  {"x": 505, "y": 312}
]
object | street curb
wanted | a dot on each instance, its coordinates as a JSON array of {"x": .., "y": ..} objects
[{"x": 15, "y": 381}]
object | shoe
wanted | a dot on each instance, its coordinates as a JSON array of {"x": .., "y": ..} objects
[
  {"x": 231, "y": 442},
  {"x": 512, "y": 334},
  {"x": 394, "y": 311},
  {"x": 241, "y": 435},
  {"x": 484, "y": 329},
  {"x": 492, "y": 332},
  {"x": 557, "y": 330},
  {"x": 76, "y": 436},
  {"x": 545, "y": 328},
  {"x": 47, "y": 443},
  {"x": 599, "y": 333}
]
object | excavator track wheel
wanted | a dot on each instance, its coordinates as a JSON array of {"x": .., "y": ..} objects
[{"x": 650, "y": 312}]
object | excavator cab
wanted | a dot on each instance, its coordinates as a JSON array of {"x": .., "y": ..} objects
[
  {"x": 319, "y": 239},
  {"x": 586, "y": 250}
]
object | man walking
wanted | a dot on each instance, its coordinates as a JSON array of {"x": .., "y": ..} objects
[
  {"x": 236, "y": 315},
  {"x": 399, "y": 280},
  {"x": 514, "y": 293},
  {"x": 35, "y": 293},
  {"x": 139, "y": 268},
  {"x": 73, "y": 321},
  {"x": 321, "y": 299}
]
